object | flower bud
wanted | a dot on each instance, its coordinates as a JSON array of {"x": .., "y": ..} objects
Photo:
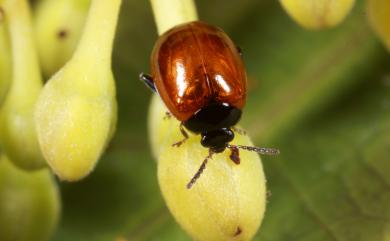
[
  {"x": 76, "y": 112},
  {"x": 17, "y": 130},
  {"x": 318, "y": 14},
  {"x": 5, "y": 57},
  {"x": 160, "y": 131},
  {"x": 228, "y": 200},
  {"x": 58, "y": 26},
  {"x": 379, "y": 17},
  {"x": 29, "y": 204}
]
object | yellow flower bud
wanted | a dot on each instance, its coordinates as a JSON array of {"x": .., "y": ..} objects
[
  {"x": 160, "y": 132},
  {"x": 58, "y": 26},
  {"x": 318, "y": 14},
  {"x": 76, "y": 112},
  {"x": 29, "y": 204},
  {"x": 379, "y": 17},
  {"x": 5, "y": 57},
  {"x": 227, "y": 202},
  {"x": 17, "y": 129}
]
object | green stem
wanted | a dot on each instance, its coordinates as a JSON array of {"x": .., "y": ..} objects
[
  {"x": 168, "y": 13},
  {"x": 26, "y": 72},
  {"x": 99, "y": 32}
]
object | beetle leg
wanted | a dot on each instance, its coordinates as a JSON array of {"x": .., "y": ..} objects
[
  {"x": 148, "y": 81},
  {"x": 239, "y": 131},
  {"x": 235, "y": 155},
  {"x": 168, "y": 115},
  {"x": 239, "y": 50},
  {"x": 184, "y": 133}
]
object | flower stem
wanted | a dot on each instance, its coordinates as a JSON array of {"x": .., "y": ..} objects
[
  {"x": 99, "y": 31},
  {"x": 25, "y": 59},
  {"x": 168, "y": 13}
]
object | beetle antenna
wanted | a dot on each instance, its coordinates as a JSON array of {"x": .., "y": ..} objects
[
  {"x": 200, "y": 170},
  {"x": 260, "y": 150}
]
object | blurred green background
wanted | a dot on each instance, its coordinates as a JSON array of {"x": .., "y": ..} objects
[{"x": 322, "y": 98}]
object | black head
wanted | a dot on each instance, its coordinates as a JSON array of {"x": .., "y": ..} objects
[
  {"x": 217, "y": 140},
  {"x": 213, "y": 122}
]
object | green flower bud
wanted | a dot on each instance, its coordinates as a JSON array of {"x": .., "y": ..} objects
[
  {"x": 29, "y": 204},
  {"x": 17, "y": 129},
  {"x": 228, "y": 200},
  {"x": 318, "y": 14},
  {"x": 5, "y": 57},
  {"x": 58, "y": 27},
  {"x": 76, "y": 112},
  {"x": 379, "y": 17}
]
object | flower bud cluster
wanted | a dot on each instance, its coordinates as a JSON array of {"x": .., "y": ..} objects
[
  {"x": 65, "y": 123},
  {"x": 68, "y": 122}
]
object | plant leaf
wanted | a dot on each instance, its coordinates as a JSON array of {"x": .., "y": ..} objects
[{"x": 332, "y": 180}]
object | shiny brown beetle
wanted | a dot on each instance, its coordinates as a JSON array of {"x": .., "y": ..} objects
[{"x": 200, "y": 76}]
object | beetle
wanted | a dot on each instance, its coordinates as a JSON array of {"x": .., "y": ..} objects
[{"x": 200, "y": 76}]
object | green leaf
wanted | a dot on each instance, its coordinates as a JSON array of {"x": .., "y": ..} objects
[
  {"x": 332, "y": 180},
  {"x": 322, "y": 98}
]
